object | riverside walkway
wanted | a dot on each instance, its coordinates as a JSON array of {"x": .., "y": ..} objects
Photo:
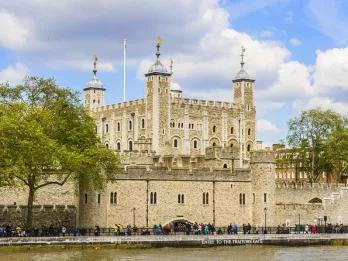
[{"x": 183, "y": 240}]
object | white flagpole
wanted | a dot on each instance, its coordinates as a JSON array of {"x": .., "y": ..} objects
[{"x": 124, "y": 70}]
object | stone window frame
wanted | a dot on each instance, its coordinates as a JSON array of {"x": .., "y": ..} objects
[
  {"x": 181, "y": 199},
  {"x": 242, "y": 199},
  {"x": 118, "y": 145},
  {"x": 153, "y": 198},
  {"x": 113, "y": 198}
]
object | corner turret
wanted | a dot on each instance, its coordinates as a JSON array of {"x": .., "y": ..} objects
[{"x": 94, "y": 90}]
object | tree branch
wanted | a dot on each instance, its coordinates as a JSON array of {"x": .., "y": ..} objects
[
  {"x": 53, "y": 182},
  {"x": 21, "y": 179}
]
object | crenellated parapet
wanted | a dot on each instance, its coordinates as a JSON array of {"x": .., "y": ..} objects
[
  {"x": 204, "y": 103},
  {"x": 262, "y": 156},
  {"x": 120, "y": 105}
]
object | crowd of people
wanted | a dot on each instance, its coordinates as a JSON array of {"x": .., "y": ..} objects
[{"x": 8, "y": 230}]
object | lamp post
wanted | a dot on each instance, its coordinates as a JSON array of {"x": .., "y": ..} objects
[
  {"x": 133, "y": 125},
  {"x": 265, "y": 212},
  {"x": 133, "y": 216}
]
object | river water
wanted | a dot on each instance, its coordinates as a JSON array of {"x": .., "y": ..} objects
[{"x": 234, "y": 253}]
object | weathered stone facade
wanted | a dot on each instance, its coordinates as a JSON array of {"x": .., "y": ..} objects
[{"x": 188, "y": 159}]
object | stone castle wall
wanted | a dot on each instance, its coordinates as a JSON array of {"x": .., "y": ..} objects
[{"x": 43, "y": 215}]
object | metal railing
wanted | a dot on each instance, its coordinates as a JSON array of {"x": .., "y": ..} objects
[{"x": 130, "y": 231}]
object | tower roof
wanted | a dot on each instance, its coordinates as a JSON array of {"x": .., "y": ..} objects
[
  {"x": 242, "y": 75},
  {"x": 158, "y": 68},
  {"x": 94, "y": 83}
]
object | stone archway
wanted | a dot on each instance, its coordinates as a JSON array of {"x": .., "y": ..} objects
[{"x": 178, "y": 224}]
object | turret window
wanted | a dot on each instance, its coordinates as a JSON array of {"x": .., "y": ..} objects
[
  {"x": 143, "y": 123},
  {"x": 232, "y": 130},
  {"x": 107, "y": 128},
  {"x": 118, "y": 126},
  {"x": 248, "y": 148},
  {"x": 214, "y": 128},
  {"x": 249, "y": 131}
]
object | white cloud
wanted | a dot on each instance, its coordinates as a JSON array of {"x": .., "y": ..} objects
[
  {"x": 266, "y": 127},
  {"x": 295, "y": 42},
  {"x": 331, "y": 70},
  {"x": 14, "y": 74},
  {"x": 13, "y": 32},
  {"x": 328, "y": 104}
]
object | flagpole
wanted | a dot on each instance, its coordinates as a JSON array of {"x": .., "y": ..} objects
[{"x": 124, "y": 70}]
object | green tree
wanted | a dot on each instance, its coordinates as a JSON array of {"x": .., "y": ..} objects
[
  {"x": 48, "y": 138},
  {"x": 311, "y": 136}
]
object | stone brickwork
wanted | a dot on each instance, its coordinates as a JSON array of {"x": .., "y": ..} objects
[{"x": 43, "y": 215}]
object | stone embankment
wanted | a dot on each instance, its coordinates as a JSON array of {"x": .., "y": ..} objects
[{"x": 181, "y": 240}]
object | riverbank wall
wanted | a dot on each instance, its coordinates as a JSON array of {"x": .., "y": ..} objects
[{"x": 178, "y": 240}]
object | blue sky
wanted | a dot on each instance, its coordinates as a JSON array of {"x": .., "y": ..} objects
[{"x": 297, "y": 50}]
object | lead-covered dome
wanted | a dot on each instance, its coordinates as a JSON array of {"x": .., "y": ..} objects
[
  {"x": 158, "y": 68},
  {"x": 175, "y": 87}
]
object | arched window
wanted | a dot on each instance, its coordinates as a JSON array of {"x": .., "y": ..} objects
[
  {"x": 225, "y": 166},
  {"x": 107, "y": 128},
  {"x": 249, "y": 131},
  {"x": 130, "y": 125},
  {"x": 231, "y": 145},
  {"x": 175, "y": 143},
  {"x": 107, "y": 146},
  {"x": 248, "y": 148},
  {"x": 143, "y": 123},
  {"x": 118, "y": 126},
  {"x": 214, "y": 128},
  {"x": 118, "y": 146},
  {"x": 195, "y": 146},
  {"x": 232, "y": 130},
  {"x": 214, "y": 144},
  {"x": 130, "y": 145}
]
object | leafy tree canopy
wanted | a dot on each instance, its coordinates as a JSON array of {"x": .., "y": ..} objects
[{"x": 48, "y": 138}]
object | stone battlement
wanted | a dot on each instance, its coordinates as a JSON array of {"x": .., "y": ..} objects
[
  {"x": 162, "y": 173},
  {"x": 120, "y": 105},
  {"x": 207, "y": 103},
  {"x": 262, "y": 156},
  {"x": 325, "y": 186}
]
